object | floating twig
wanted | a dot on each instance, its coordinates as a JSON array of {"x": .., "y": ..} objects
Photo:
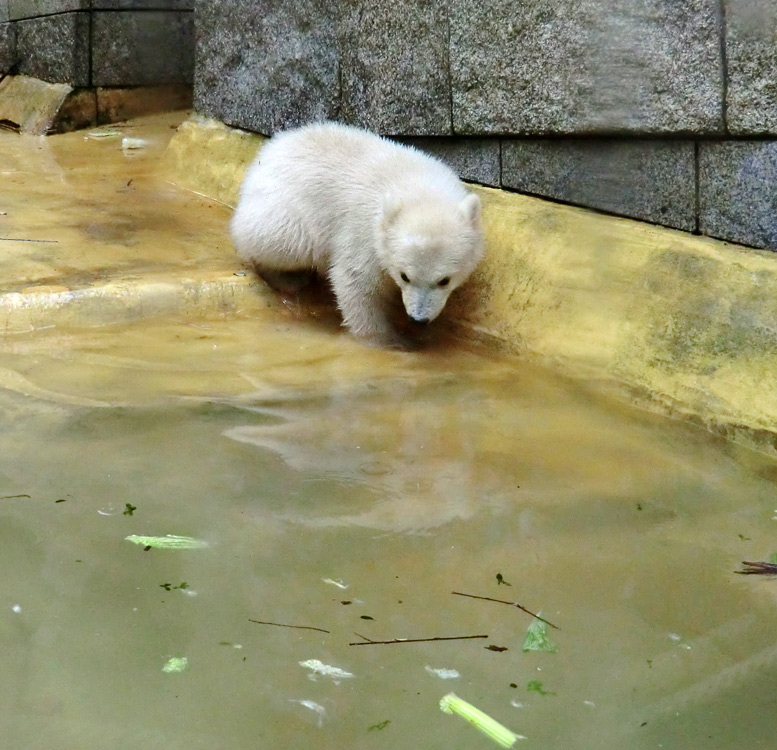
[
  {"x": 368, "y": 642},
  {"x": 18, "y": 239},
  {"x": 284, "y": 625},
  {"x": 758, "y": 568},
  {"x": 13, "y": 497},
  {"x": 512, "y": 604}
]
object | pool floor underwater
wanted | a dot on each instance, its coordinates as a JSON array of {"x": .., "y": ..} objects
[
  {"x": 351, "y": 490},
  {"x": 302, "y": 459}
]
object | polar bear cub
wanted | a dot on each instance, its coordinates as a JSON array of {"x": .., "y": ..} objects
[{"x": 370, "y": 214}]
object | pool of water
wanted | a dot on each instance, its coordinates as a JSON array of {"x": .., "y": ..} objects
[{"x": 352, "y": 490}]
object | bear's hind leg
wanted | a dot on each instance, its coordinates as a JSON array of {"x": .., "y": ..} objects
[{"x": 274, "y": 240}]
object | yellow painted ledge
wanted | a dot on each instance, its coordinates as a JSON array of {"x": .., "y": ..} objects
[
  {"x": 682, "y": 322},
  {"x": 30, "y": 104},
  {"x": 128, "y": 300},
  {"x": 208, "y": 158},
  {"x": 688, "y": 322}
]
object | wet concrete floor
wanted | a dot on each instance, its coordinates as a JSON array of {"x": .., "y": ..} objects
[{"x": 91, "y": 233}]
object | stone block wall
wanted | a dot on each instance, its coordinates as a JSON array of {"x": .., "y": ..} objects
[
  {"x": 99, "y": 43},
  {"x": 659, "y": 110}
]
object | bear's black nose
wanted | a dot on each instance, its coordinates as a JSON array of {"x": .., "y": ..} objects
[{"x": 422, "y": 321}]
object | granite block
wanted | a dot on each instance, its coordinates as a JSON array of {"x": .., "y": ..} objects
[
  {"x": 643, "y": 179},
  {"x": 473, "y": 159},
  {"x": 266, "y": 65},
  {"x": 736, "y": 191},
  {"x": 5, "y": 14},
  {"x": 54, "y": 48},
  {"x": 584, "y": 66},
  {"x": 119, "y": 104},
  {"x": 394, "y": 66},
  {"x": 751, "y": 52},
  {"x": 142, "y": 48},
  {"x": 7, "y": 46},
  {"x": 19, "y": 9},
  {"x": 142, "y": 4}
]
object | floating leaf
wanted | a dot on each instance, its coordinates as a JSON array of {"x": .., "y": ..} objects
[
  {"x": 176, "y": 664},
  {"x": 170, "y": 587},
  {"x": 452, "y": 704},
  {"x": 380, "y": 725},
  {"x": 537, "y": 638},
  {"x": 171, "y": 541},
  {"x": 535, "y": 686}
]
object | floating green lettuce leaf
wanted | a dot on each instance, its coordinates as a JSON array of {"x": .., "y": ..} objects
[
  {"x": 535, "y": 686},
  {"x": 171, "y": 541},
  {"x": 773, "y": 557},
  {"x": 176, "y": 664},
  {"x": 537, "y": 638}
]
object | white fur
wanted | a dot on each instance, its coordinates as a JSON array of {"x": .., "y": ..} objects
[{"x": 368, "y": 213}]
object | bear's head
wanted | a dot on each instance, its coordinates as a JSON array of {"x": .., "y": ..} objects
[{"x": 429, "y": 247}]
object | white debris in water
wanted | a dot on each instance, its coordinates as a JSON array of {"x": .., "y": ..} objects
[
  {"x": 129, "y": 144},
  {"x": 325, "y": 670},
  {"x": 676, "y": 638},
  {"x": 17, "y": 608},
  {"x": 443, "y": 674},
  {"x": 109, "y": 132},
  {"x": 590, "y": 704},
  {"x": 313, "y": 706},
  {"x": 336, "y": 582},
  {"x": 175, "y": 664},
  {"x": 516, "y": 703}
]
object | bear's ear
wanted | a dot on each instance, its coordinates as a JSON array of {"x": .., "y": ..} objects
[
  {"x": 470, "y": 209},
  {"x": 389, "y": 208}
]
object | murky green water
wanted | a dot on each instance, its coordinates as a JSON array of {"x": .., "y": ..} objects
[{"x": 299, "y": 456}]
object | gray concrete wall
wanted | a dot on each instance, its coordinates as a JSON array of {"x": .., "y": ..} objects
[
  {"x": 657, "y": 110},
  {"x": 99, "y": 43}
]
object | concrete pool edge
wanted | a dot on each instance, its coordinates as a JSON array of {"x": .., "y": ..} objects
[
  {"x": 684, "y": 323},
  {"x": 125, "y": 300}
]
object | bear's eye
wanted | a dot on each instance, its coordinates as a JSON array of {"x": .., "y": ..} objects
[
  {"x": 404, "y": 278},
  {"x": 444, "y": 281}
]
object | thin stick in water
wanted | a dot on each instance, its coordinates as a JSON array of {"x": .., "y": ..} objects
[
  {"x": 512, "y": 604},
  {"x": 368, "y": 642},
  {"x": 284, "y": 625},
  {"x": 18, "y": 239}
]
